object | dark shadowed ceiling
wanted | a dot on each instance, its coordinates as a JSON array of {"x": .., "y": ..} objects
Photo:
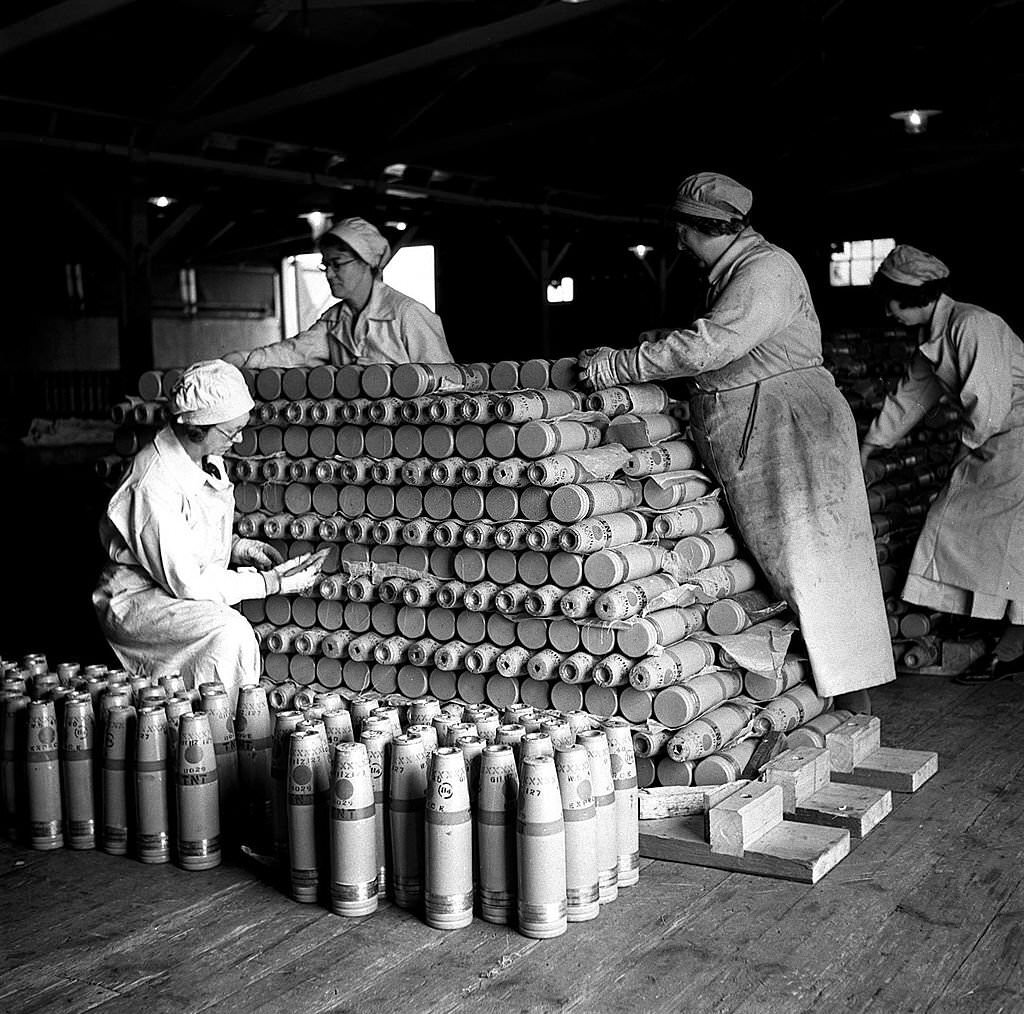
[{"x": 590, "y": 110}]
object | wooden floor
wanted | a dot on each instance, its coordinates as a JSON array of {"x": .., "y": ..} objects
[{"x": 924, "y": 915}]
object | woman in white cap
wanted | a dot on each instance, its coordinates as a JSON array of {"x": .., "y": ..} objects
[
  {"x": 969, "y": 558},
  {"x": 371, "y": 323},
  {"x": 164, "y": 600},
  {"x": 771, "y": 425}
]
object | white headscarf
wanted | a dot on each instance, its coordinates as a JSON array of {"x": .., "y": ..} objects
[
  {"x": 210, "y": 392},
  {"x": 364, "y": 239}
]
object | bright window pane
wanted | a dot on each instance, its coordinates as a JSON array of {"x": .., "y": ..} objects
[
  {"x": 860, "y": 248},
  {"x": 861, "y": 272},
  {"x": 411, "y": 271},
  {"x": 880, "y": 247},
  {"x": 841, "y": 252},
  {"x": 839, "y": 273},
  {"x": 560, "y": 290}
]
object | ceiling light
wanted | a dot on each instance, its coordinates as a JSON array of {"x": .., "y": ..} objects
[
  {"x": 641, "y": 250},
  {"x": 395, "y": 169},
  {"x": 915, "y": 121},
  {"x": 397, "y": 226},
  {"x": 161, "y": 201},
  {"x": 318, "y": 222}
]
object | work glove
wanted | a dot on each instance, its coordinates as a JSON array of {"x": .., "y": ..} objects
[
  {"x": 295, "y": 576},
  {"x": 866, "y": 450},
  {"x": 597, "y": 370},
  {"x": 253, "y": 553}
]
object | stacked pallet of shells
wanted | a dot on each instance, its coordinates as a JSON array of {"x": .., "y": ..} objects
[
  {"x": 501, "y": 538},
  {"x": 902, "y": 482}
]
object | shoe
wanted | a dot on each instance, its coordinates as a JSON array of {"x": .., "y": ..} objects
[{"x": 989, "y": 669}]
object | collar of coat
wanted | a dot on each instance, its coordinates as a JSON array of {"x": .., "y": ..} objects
[
  {"x": 742, "y": 244},
  {"x": 939, "y": 324},
  {"x": 188, "y": 472},
  {"x": 382, "y": 304}
]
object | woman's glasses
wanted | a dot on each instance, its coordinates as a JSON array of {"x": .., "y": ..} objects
[
  {"x": 335, "y": 266},
  {"x": 234, "y": 436}
]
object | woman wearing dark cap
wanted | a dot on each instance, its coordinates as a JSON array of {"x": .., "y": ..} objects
[
  {"x": 370, "y": 323},
  {"x": 773, "y": 428},
  {"x": 969, "y": 557}
]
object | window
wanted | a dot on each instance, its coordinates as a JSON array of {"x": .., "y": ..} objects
[
  {"x": 560, "y": 290},
  {"x": 307, "y": 294},
  {"x": 854, "y": 262}
]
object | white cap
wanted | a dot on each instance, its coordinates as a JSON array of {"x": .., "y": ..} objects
[{"x": 210, "y": 392}]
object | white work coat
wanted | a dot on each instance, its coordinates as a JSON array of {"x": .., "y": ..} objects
[
  {"x": 392, "y": 328},
  {"x": 969, "y": 557},
  {"x": 771, "y": 425},
  {"x": 164, "y": 600}
]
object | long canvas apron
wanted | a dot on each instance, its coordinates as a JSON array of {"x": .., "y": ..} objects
[
  {"x": 973, "y": 537},
  {"x": 785, "y": 453}
]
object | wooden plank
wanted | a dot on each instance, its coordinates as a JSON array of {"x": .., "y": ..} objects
[
  {"x": 744, "y": 817},
  {"x": 971, "y": 891},
  {"x": 56, "y": 993},
  {"x": 854, "y": 740},
  {"x": 890, "y": 768},
  {"x": 858, "y": 808},
  {"x": 506, "y": 972},
  {"x": 829, "y": 933},
  {"x": 991, "y": 975},
  {"x": 799, "y": 773},
  {"x": 661, "y": 801},
  {"x": 485, "y": 960},
  {"x": 791, "y": 851}
]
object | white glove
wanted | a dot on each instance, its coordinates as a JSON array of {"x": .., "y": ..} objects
[
  {"x": 253, "y": 553},
  {"x": 295, "y": 576},
  {"x": 596, "y": 369}
]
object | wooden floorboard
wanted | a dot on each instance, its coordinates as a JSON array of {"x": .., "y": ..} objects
[{"x": 924, "y": 915}]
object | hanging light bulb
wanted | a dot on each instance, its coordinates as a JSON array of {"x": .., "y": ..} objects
[
  {"x": 640, "y": 250},
  {"x": 915, "y": 121},
  {"x": 318, "y": 221}
]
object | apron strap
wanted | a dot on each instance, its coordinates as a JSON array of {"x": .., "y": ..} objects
[{"x": 748, "y": 429}]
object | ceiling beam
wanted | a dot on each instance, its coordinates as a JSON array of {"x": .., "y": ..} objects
[
  {"x": 58, "y": 18},
  {"x": 314, "y": 179},
  {"x": 470, "y": 41},
  {"x": 267, "y": 18}
]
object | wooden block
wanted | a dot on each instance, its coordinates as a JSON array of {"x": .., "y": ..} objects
[
  {"x": 660, "y": 801},
  {"x": 858, "y": 808},
  {"x": 853, "y": 741},
  {"x": 889, "y": 768},
  {"x": 800, "y": 773},
  {"x": 790, "y": 851},
  {"x": 744, "y": 817}
]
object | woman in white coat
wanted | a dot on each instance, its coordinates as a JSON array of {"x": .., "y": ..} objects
[
  {"x": 164, "y": 600},
  {"x": 773, "y": 428},
  {"x": 969, "y": 558},
  {"x": 370, "y": 323}
]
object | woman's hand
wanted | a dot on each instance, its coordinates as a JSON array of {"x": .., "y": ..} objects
[
  {"x": 866, "y": 450},
  {"x": 253, "y": 553},
  {"x": 597, "y": 370}
]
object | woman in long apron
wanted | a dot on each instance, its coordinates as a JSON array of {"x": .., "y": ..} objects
[
  {"x": 969, "y": 558},
  {"x": 774, "y": 430}
]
